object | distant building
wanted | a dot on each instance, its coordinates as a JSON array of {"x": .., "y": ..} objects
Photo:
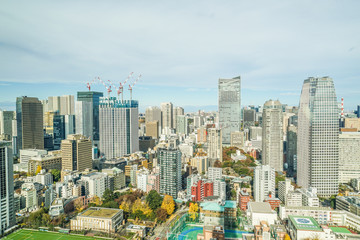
[
  {"x": 182, "y": 124},
  {"x": 218, "y": 214},
  {"x": 291, "y": 150},
  {"x": 118, "y": 177},
  {"x": 95, "y": 183},
  {"x": 76, "y": 153},
  {"x": 152, "y": 129},
  {"x": 84, "y": 118},
  {"x": 29, "y": 116},
  {"x": 237, "y": 139},
  {"x": 146, "y": 142},
  {"x": 177, "y": 111},
  {"x": 167, "y": 115},
  {"x": 215, "y": 144},
  {"x": 229, "y": 107},
  {"x": 52, "y": 160},
  {"x": 98, "y": 219},
  {"x": 272, "y": 135},
  {"x": 58, "y": 130},
  {"x": 349, "y": 156}
]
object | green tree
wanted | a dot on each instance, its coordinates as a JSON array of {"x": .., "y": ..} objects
[
  {"x": 154, "y": 200},
  {"x": 108, "y": 195},
  {"x": 56, "y": 174}
]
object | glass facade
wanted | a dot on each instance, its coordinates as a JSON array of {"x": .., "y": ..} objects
[{"x": 229, "y": 107}]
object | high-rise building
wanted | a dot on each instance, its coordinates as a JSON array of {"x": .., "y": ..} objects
[
  {"x": 7, "y": 212},
  {"x": 67, "y": 105},
  {"x": 153, "y": 114},
  {"x": 349, "y": 156},
  {"x": 177, "y": 111},
  {"x": 84, "y": 118},
  {"x": 54, "y": 104},
  {"x": 69, "y": 125},
  {"x": 229, "y": 107},
  {"x": 318, "y": 137},
  {"x": 29, "y": 115},
  {"x": 58, "y": 130},
  {"x": 6, "y": 118},
  {"x": 76, "y": 153},
  {"x": 249, "y": 117},
  {"x": 358, "y": 111},
  {"x": 167, "y": 115},
  {"x": 170, "y": 171},
  {"x": 291, "y": 150},
  {"x": 214, "y": 144},
  {"x": 272, "y": 135},
  {"x": 182, "y": 124},
  {"x": 94, "y": 99},
  {"x": 152, "y": 129},
  {"x": 119, "y": 127},
  {"x": 264, "y": 182}
]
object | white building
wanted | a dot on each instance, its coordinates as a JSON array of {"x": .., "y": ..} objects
[
  {"x": 28, "y": 191},
  {"x": 349, "y": 156},
  {"x": 119, "y": 126},
  {"x": 44, "y": 178},
  {"x": 214, "y": 173},
  {"x": 294, "y": 199},
  {"x": 27, "y": 154},
  {"x": 318, "y": 137},
  {"x": 309, "y": 197},
  {"x": 264, "y": 182},
  {"x": 260, "y": 211},
  {"x": 214, "y": 141},
  {"x": 220, "y": 189},
  {"x": 95, "y": 183},
  {"x": 272, "y": 135},
  {"x": 284, "y": 188},
  {"x": 142, "y": 179},
  {"x": 167, "y": 115},
  {"x": 84, "y": 118}
]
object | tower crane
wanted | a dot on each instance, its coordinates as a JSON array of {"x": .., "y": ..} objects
[
  {"x": 108, "y": 88},
  {"x": 121, "y": 88},
  {"x": 88, "y": 84},
  {"x": 131, "y": 86}
]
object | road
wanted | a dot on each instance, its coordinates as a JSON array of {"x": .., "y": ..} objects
[{"x": 160, "y": 231}]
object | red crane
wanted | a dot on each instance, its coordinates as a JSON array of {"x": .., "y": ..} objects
[{"x": 131, "y": 86}]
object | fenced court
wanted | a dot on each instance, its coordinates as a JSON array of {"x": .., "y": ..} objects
[{"x": 26, "y": 234}]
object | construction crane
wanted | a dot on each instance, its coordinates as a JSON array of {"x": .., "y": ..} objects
[
  {"x": 88, "y": 84},
  {"x": 131, "y": 86},
  {"x": 108, "y": 88},
  {"x": 121, "y": 88}
]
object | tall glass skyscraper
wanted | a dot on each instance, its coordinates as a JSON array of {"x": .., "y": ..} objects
[
  {"x": 94, "y": 98},
  {"x": 229, "y": 107},
  {"x": 119, "y": 127},
  {"x": 7, "y": 214},
  {"x": 318, "y": 137}
]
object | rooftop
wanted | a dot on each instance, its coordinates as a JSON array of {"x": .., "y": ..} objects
[
  {"x": 305, "y": 223},
  {"x": 100, "y": 212},
  {"x": 340, "y": 230},
  {"x": 215, "y": 206},
  {"x": 260, "y": 207}
]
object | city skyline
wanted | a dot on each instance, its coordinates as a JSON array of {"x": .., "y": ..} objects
[{"x": 273, "y": 46}]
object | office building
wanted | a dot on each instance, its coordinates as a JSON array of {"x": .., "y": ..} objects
[
  {"x": 94, "y": 99},
  {"x": 255, "y": 133},
  {"x": 152, "y": 129},
  {"x": 170, "y": 171},
  {"x": 84, "y": 118},
  {"x": 291, "y": 150},
  {"x": 349, "y": 156},
  {"x": 214, "y": 173},
  {"x": 214, "y": 144},
  {"x": 95, "y": 183},
  {"x": 119, "y": 127},
  {"x": 58, "y": 130},
  {"x": 272, "y": 135},
  {"x": 229, "y": 107},
  {"x": 118, "y": 175},
  {"x": 264, "y": 182},
  {"x": 318, "y": 137},
  {"x": 52, "y": 160},
  {"x": 7, "y": 211},
  {"x": 182, "y": 124},
  {"x": 358, "y": 111},
  {"x": 177, "y": 111},
  {"x": 249, "y": 117},
  {"x": 6, "y": 118},
  {"x": 69, "y": 125},
  {"x": 27, "y": 154},
  {"x": 167, "y": 115},
  {"x": 153, "y": 114},
  {"x": 201, "y": 163},
  {"x": 76, "y": 153},
  {"x": 29, "y": 115},
  {"x": 53, "y": 104},
  {"x": 67, "y": 105},
  {"x": 237, "y": 139}
]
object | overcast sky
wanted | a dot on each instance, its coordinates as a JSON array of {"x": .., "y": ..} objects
[{"x": 181, "y": 48}]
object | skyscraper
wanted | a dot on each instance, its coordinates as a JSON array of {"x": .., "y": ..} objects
[
  {"x": 76, "y": 153},
  {"x": 177, "y": 111},
  {"x": 272, "y": 135},
  {"x": 67, "y": 105},
  {"x": 6, "y": 118},
  {"x": 291, "y": 149},
  {"x": 167, "y": 115},
  {"x": 264, "y": 182},
  {"x": 94, "y": 99},
  {"x": 170, "y": 171},
  {"x": 84, "y": 118},
  {"x": 153, "y": 114},
  {"x": 58, "y": 130},
  {"x": 7, "y": 213},
  {"x": 119, "y": 127},
  {"x": 214, "y": 144},
  {"x": 318, "y": 137},
  {"x": 229, "y": 107},
  {"x": 29, "y": 115}
]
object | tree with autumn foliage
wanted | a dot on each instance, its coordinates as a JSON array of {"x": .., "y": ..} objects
[
  {"x": 38, "y": 170},
  {"x": 161, "y": 214},
  {"x": 168, "y": 204},
  {"x": 287, "y": 237},
  {"x": 193, "y": 210}
]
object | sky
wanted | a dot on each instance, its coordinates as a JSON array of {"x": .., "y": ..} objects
[{"x": 181, "y": 48}]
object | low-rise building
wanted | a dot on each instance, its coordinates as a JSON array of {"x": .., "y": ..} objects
[
  {"x": 137, "y": 229},
  {"x": 98, "y": 219},
  {"x": 302, "y": 227},
  {"x": 260, "y": 211},
  {"x": 212, "y": 232},
  {"x": 52, "y": 160},
  {"x": 244, "y": 198},
  {"x": 215, "y": 213},
  {"x": 274, "y": 202},
  {"x": 56, "y": 208}
]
